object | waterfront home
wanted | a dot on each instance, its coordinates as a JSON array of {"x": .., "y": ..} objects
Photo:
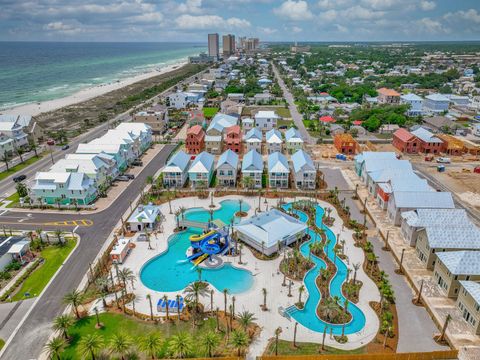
[
  {"x": 453, "y": 266},
  {"x": 252, "y": 167},
  {"x": 144, "y": 218},
  {"x": 140, "y": 132},
  {"x": 63, "y": 188},
  {"x": 253, "y": 140},
  {"x": 175, "y": 172},
  {"x": 413, "y": 221},
  {"x": 7, "y": 146},
  {"x": 432, "y": 240},
  {"x": 278, "y": 171},
  {"x": 428, "y": 142},
  {"x": 233, "y": 139},
  {"x": 195, "y": 141},
  {"x": 468, "y": 302},
  {"x": 361, "y": 159},
  {"x": 247, "y": 124},
  {"x": 27, "y": 123},
  {"x": 436, "y": 103},
  {"x": 388, "y": 96},
  {"x": 266, "y": 120},
  {"x": 157, "y": 119},
  {"x": 414, "y": 102},
  {"x": 273, "y": 139},
  {"x": 268, "y": 231},
  {"x": 304, "y": 171},
  {"x": 345, "y": 144},
  {"x": 200, "y": 172},
  {"x": 14, "y": 131},
  {"x": 227, "y": 168},
  {"x": 181, "y": 99},
  {"x": 293, "y": 140},
  {"x": 117, "y": 151},
  {"x": 401, "y": 201}
]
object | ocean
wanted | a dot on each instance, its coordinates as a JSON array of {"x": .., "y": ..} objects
[{"x": 39, "y": 71}]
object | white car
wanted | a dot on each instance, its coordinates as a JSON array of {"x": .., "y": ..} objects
[{"x": 443, "y": 160}]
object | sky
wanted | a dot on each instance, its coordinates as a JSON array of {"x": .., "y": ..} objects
[{"x": 270, "y": 20}]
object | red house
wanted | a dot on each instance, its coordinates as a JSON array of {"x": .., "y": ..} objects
[
  {"x": 405, "y": 141},
  {"x": 195, "y": 142},
  {"x": 233, "y": 139},
  {"x": 327, "y": 119},
  {"x": 345, "y": 144}
]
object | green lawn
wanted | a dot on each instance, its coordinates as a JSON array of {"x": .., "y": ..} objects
[
  {"x": 286, "y": 348},
  {"x": 16, "y": 168},
  {"x": 54, "y": 257},
  {"x": 280, "y": 110},
  {"x": 2, "y": 344},
  {"x": 115, "y": 323},
  {"x": 209, "y": 112},
  {"x": 14, "y": 198}
]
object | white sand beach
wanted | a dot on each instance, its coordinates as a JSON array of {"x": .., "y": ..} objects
[{"x": 86, "y": 94}]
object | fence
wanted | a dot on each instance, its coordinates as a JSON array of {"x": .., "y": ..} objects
[{"x": 434, "y": 355}]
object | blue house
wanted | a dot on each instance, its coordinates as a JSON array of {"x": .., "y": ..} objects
[{"x": 201, "y": 170}]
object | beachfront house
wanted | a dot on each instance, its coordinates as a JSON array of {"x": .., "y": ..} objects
[
  {"x": 14, "y": 131},
  {"x": 293, "y": 140},
  {"x": 175, "y": 172},
  {"x": 253, "y": 140},
  {"x": 266, "y": 120},
  {"x": 304, "y": 171},
  {"x": 274, "y": 141},
  {"x": 156, "y": 118},
  {"x": 413, "y": 221},
  {"x": 183, "y": 99},
  {"x": 268, "y": 231},
  {"x": 453, "y": 266},
  {"x": 144, "y": 218},
  {"x": 252, "y": 169},
  {"x": 27, "y": 123},
  {"x": 401, "y": 201},
  {"x": 63, "y": 188},
  {"x": 468, "y": 302},
  {"x": 201, "y": 171},
  {"x": 435, "y": 239},
  {"x": 227, "y": 169},
  {"x": 278, "y": 171},
  {"x": 7, "y": 146}
]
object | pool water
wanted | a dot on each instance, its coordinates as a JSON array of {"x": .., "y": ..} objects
[
  {"x": 165, "y": 274},
  {"x": 308, "y": 315}
]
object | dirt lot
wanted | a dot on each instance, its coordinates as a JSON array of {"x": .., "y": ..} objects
[
  {"x": 280, "y": 110},
  {"x": 79, "y": 117}
]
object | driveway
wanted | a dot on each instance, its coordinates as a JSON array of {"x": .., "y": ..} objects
[{"x": 296, "y": 116}]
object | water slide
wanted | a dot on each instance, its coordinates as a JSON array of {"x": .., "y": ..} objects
[{"x": 199, "y": 238}]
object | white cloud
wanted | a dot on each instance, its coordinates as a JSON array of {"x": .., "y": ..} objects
[
  {"x": 463, "y": 15},
  {"x": 60, "y": 27},
  {"x": 428, "y": 5},
  {"x": 190, "y": 22},
  {"x": 191, "y": 7},
  {"x": 267, "y": 30},
  {"x": 332, "y": 4},
  {"x": 294, "y": 10},
  {"x": 361, "y": 13},
  {"x": 431, "y": 26},
  {"x": 296, "y": 29},
  {"x": 153, "y": 17}
]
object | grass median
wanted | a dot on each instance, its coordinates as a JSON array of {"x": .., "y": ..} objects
[
  {"x": 54, "y": 256},
  {"x": 12, "y": 170}
]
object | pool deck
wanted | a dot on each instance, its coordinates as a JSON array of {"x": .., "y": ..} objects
[{"x": 266, "y": 275}]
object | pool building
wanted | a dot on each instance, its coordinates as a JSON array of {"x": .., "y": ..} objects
[{"x": 267, "y": 230}]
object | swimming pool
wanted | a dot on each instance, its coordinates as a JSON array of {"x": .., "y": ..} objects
[
  {"x": 308, "y": 315},
  {"x": 164, "y": 274}
]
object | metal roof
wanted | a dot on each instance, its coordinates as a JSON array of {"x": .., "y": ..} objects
[
  {"x": 464, "y": 262},
  {"x": 376, "y": 165},
  {"x": 382, "y": 155},
  {"x": 292, "y": 134},
  {"x": 277, "y": 163},
  {"x": 273, "y": 136},
  {"x": 426, "y": 136},
  {"x": 203, "y": 163},
  {"x": 252, "y": 162},
  {"x": 253, "y": 133},
  {"x": 423, "y": 199},
  {"x": 228, "y": 157},
  {"x": 302, "y": 162},
  {"x": 177, "y": 163}
]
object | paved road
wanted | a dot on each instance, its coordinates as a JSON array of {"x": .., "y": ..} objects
[
  {"x": 296, "y": 116},
  {"x": 32, "y": 335}
]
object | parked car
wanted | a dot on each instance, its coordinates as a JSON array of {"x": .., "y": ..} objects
[
  {"x": 443, "y": 160},
  {"x": 137, "y": 163},
  {"x": 130, "y": 176},
  {"x": 122, "y": 178},
  {"x": 65, "y": 147},
  {"x": 19, "y": 178},
  {"x": 50, "y": 142}
]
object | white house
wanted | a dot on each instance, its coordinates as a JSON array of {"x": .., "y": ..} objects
[
  {"x": 274, "y": 141},
  {"x": 304, "y": 171},
  {"x": 247, "y": 124},
  {"x": 7, "y": 145},
  {"x": 201, "y": 170},
  {"x": 175, "y": 172},
  {"x": 266, "y": 120},
  {"x": 14, "y": 131},
  {"x": 436, "y": 103},
  {"x": 278, "y": 171},
  {"x": 252, "y": 167},
  {"x": 253, "y": 140},
  {"x": 415, "y": 103},
  {"x": 12, "y": 248},
  {"x": 144, "y": 217},
  {"x": 227, "y": 168},
  {"x": 181, "y": 99}
]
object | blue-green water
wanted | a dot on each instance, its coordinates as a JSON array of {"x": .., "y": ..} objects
[
  {"x": 164, "y": 273},
  {"x": 40, "y": 71}
]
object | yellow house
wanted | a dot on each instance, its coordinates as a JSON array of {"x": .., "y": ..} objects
[{"x": 468, "y": 303}]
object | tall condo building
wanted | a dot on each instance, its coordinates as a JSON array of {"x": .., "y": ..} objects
[
  {"x": 213, "y": 45},
  {"x": 228, "y": 45}
]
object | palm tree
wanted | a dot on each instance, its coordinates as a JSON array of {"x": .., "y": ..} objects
[
  {"x": 210, "y": 343},
  {"x": 247, "y": 182},
  {"x": 245, "y": 319},
  {"x": 356, "y": 266},
  {"x": 264, "y": 292},
  {"x": 165, "y": 298},
  {"x": 89, "y": 345},
  {"x": 181, "y": 345},
  {"x": 295, "y": 335},
  {"x": 225, "y": 293},
  {"x": 126, "y": 275},
  {"x": 329, "y": 309},
  {"x": 62, "y": 323},
  {"x": 6, "y": 159},
  {"x": 301, "y": 289},
  {"x": 239, "y": 340},
  {"x": 54, "y": 347},
  {"x": 211, "y": 300},
  {"x": 195, "y": 290},
  {"x": 178, "y": 306},
  {"x": 120, "y": 344},
  {"x": 240, "y": 202},
  {"x": 75, "y": 299},
  {"x": 278, "y": 331},
  {"x": 149, "y": 297},
  {"x": 150, "y": 344}
]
